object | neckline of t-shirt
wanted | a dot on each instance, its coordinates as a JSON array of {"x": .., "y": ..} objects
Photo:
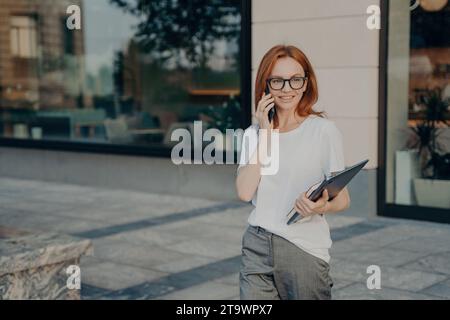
[{"x": 296, "y": 128}]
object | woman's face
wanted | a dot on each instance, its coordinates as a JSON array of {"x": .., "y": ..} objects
[{"x": 286, "y": 68}]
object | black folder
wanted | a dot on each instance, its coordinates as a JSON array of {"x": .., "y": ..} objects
[{"x": 333, "y": 184}]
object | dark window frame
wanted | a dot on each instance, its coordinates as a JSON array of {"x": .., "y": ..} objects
[
  {"x": 156, "y": 150},
  {"x": 385, "y": 209}
]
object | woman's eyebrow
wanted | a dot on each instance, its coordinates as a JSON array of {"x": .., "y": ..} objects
[{"x": 295, "y": 75}]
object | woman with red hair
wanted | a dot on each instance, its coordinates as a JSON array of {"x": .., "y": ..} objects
[{"x": 281, "y": 261}]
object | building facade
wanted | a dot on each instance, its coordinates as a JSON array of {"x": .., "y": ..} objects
[{"x": 133, "y": 83}]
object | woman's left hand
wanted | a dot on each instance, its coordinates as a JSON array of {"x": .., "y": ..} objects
[{"x": 306, "y": 207}]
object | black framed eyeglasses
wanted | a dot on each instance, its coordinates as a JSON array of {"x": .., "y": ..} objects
[{"x": 295, "y": 83}]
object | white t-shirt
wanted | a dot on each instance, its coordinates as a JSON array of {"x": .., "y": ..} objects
[{"x": 306, "y": 153}]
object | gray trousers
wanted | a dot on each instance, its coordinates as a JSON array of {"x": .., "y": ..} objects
[{"x": 273, "y": 268}]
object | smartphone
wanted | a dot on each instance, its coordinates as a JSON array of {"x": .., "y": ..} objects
[{"x": 271, "y": 111}]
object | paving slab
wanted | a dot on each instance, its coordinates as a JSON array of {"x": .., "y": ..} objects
[{"x": 157, "y": 246}]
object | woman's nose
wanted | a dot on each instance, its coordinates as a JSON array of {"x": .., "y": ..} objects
[{"x": 286, "y": 87}]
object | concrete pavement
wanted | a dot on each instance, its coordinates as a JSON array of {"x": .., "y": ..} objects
[{"x": 153, "y": 246}]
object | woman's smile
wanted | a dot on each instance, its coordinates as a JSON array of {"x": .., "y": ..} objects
[{"x": 287, "y": 98}]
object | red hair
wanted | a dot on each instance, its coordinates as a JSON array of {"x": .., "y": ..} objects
[{"x": 311, "y": 94}]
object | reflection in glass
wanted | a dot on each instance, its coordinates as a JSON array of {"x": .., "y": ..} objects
[
  {"x": 418, "y": 111},
  {"x": 135, "y": 70}
]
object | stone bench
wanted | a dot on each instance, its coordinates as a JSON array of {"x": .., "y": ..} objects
[{"x": 34, "y": 265}]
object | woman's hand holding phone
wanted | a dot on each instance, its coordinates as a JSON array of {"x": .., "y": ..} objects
[
  {"x": 249, "y": 176},
  {"x": 262, "y": 111}
]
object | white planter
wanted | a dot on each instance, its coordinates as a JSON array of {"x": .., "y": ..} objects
[
  {"x": 36, "y": 133},
  {"x": 432, "y": 193},
  {"x": 21, "y": 131},
  {"x": 406, "y": 169}
]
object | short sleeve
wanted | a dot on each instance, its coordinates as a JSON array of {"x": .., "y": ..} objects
[
  {"x": 332, "y": 149},
  {"x": 248, "y": 146}
]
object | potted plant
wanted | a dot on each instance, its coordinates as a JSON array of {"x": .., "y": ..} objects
[{"x": 432, "y": 189}]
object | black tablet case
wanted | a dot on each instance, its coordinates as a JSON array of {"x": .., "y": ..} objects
[{"x": 334, "y": 185}]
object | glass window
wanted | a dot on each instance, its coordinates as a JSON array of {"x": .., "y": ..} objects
[
  {"x": 23, "y": 37},
  {"x": 418, "y": 113},
  {"x": 134, "y": 72}
]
